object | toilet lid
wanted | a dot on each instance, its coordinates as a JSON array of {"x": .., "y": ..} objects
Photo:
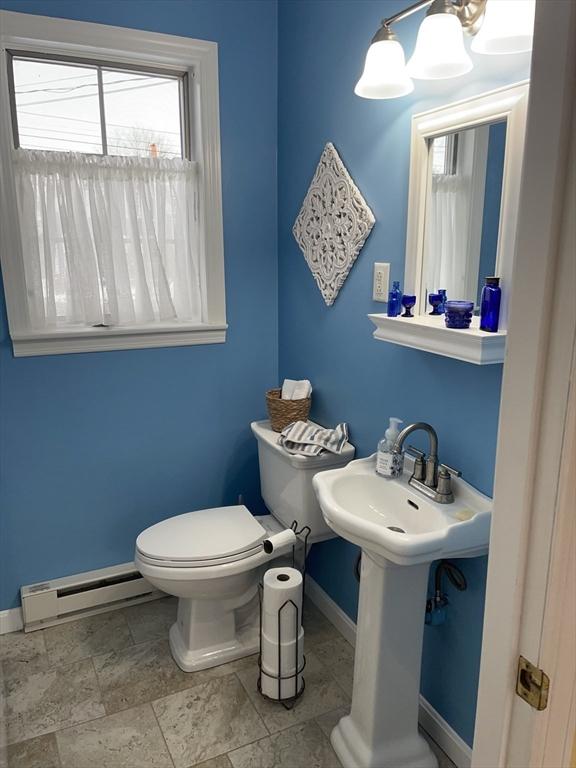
[{"x": 202, "y": 535}]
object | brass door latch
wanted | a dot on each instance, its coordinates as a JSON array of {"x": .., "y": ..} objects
[{"x": 532, "y": 684}]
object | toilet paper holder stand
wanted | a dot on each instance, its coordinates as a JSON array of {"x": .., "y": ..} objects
[{"x": 284, "y": 611}]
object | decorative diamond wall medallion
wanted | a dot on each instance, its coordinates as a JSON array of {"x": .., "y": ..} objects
[{"x": 333, "y": 224}]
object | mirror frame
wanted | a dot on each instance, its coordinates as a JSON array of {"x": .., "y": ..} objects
[{"x": 503, "y": 104}]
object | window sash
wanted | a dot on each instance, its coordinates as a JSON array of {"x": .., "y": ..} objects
[
  {"x": 101, "y": 65},
  {"x": 447, "y": 157}
]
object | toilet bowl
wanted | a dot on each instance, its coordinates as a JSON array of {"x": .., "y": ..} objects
[
  {"x": 218, "y": 576},
  {"x": 213, "y": 559}
]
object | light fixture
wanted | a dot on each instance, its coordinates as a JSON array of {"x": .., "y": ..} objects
[
  {"x": 508, "y": 27},
  {"x": 440, "y": 51},
  {"x": 501, "y": 26},
  {"x": 384, "y": 75}
]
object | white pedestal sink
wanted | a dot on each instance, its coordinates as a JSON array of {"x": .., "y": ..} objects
[{"x": 381, "y": 730}]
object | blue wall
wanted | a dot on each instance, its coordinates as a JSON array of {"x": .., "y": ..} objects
[
  {"x": 357, "y": 379},
  {"x": 95, "y": 447}
]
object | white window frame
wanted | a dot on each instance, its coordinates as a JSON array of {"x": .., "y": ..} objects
[{"x": 26, "y": 32}]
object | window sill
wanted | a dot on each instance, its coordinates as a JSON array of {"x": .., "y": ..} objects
[{"x": 68, "y": 341}]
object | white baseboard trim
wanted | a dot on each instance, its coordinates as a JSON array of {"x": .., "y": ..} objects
[
  {"x": 444, "y": 735},
  {"x": 331, "y": 610},
  {"x": 11, "y": 620},
  {"x": 432, "y": 722}
]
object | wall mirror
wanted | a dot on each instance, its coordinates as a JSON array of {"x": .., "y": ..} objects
[{"x": 465, "y": 167}]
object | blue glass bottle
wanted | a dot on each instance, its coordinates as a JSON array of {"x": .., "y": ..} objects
[
  {"x": 394, "y": 300},
  {"x": 490, "y": 305},
  {"x": 442, "y": 305}
]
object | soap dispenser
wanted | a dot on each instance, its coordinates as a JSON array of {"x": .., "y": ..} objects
[{"x": 388, "y": 463}]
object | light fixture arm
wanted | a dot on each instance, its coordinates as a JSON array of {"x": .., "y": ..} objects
[
  {"x": 469, "y": 12},
  {"x": 406, "y": 12}
]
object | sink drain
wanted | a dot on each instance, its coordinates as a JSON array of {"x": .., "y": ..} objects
[{"x": 395, "y": 528}]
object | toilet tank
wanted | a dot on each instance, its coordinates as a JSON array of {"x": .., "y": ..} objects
[{"x": 286, "y": 481}]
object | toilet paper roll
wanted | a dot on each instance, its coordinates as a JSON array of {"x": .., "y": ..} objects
[
  {"x": 280, "y": 586},
  {"x": 289, "y": 663},
  {"x": 286, "y": 689},
  {"x": 279, "y": 541},
  {"x": 290, "y": 624}
]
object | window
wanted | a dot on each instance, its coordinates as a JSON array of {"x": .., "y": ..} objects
[
  {"x": 66, "y": 105},
  {"x": 445, "y": 155},
  {"x": 112, "y": 171}
]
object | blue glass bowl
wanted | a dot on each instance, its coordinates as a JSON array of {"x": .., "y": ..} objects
[{"x": 458, "y": 314}]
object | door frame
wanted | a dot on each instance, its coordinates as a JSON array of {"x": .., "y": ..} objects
[{"x": 535, "y": 389}]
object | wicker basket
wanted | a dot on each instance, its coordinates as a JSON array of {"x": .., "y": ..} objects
[{"x": 284, "y": 412}]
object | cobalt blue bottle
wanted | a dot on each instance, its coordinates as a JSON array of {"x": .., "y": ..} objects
[
  {"x": 394, "y": 300},
  {"x": 490, "y": 305},
  {"x": 442, "y": 306}
]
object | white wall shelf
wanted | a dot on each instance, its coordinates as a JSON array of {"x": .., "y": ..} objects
[{"x": 431, "y": 335}]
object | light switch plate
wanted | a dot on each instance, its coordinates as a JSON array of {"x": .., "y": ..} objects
[{"x": 381, "y": 281}]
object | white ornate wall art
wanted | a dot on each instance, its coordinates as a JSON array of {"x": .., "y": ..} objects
[{"x": 333, "y": 224}]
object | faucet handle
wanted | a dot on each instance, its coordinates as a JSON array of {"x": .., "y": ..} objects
[
  {"x": 449, "y": 471},
  {"x": 444, "y": 485},
  {"x": 419, "y": 471}
]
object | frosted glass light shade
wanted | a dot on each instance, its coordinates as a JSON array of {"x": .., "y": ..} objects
[
  {"x": 384, "y": 75},
  {"x": 508, "y": 27},
  {"x": 440, "y": 51}
]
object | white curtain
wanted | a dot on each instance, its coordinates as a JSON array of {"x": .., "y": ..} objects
[
  {"x": 447, "y": 236},
  {"x": 108, "y": 240}
]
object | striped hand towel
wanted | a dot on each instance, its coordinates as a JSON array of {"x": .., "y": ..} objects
[{"x": 304, "y": 439}]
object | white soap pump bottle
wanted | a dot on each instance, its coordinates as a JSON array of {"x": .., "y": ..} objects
[{"x": 389, "y": 464}]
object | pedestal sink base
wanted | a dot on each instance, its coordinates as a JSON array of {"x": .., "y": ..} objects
[
  {"x": 353, "y": 752},
  {"x": 382, "y": 728}
]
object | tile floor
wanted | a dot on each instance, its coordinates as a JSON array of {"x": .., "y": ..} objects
[{"x": 104, "y": 692}]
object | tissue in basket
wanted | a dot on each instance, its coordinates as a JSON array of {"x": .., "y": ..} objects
[{"x": 284, "y": 412}]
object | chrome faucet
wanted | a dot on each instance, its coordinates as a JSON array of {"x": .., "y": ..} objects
[{"x": 428, "y": 477}]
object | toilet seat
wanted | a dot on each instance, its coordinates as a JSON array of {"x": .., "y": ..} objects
[
  {"x": 202, "y": 539},
  {"x": 198, "y": 563}
]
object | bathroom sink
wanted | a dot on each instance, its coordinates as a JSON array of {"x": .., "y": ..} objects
[
  {"x": 401, "y": 531},
  {"x": 392, "y": 519}
]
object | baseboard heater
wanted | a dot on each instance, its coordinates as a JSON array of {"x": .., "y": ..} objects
[{"x": 73, "y": 597}]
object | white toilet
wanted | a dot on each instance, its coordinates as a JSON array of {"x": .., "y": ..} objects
[{"x": 213, "y": 559}]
